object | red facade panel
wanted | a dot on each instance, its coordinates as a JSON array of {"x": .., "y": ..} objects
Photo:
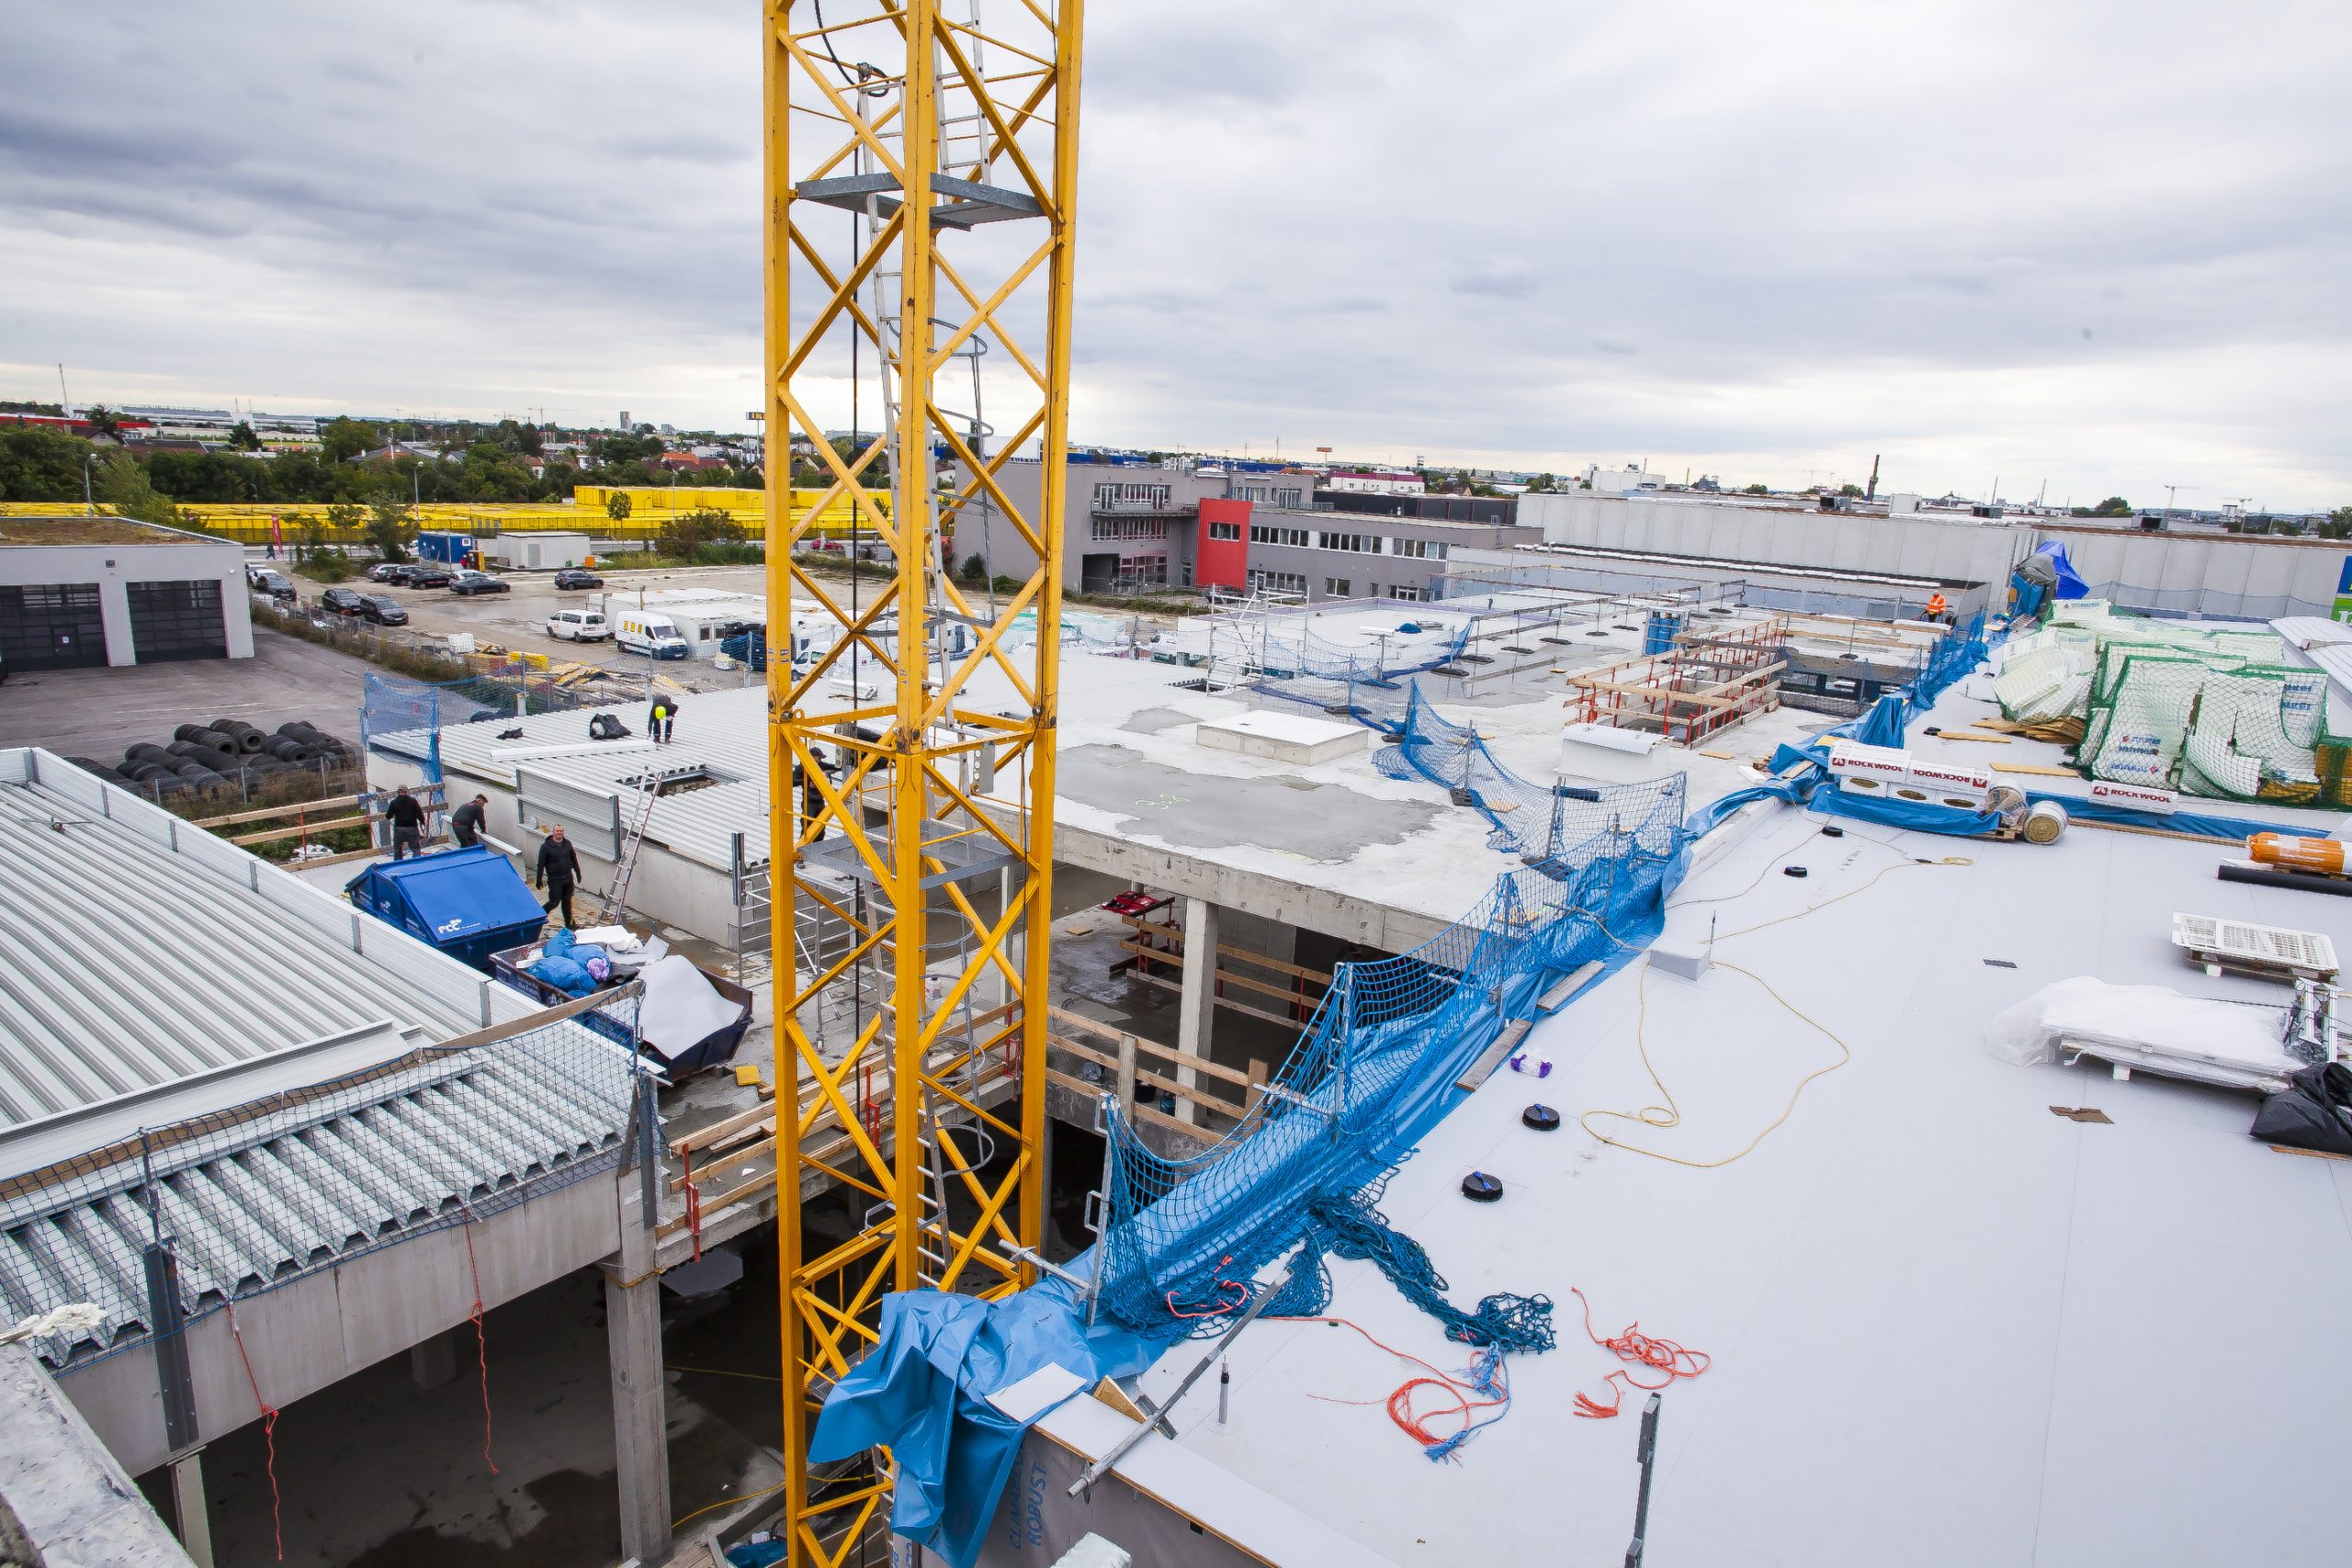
[{"x": 1219, "y": 561}]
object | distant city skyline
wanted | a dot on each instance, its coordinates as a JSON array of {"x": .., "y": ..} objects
[{"x": 1997, "y": 239}]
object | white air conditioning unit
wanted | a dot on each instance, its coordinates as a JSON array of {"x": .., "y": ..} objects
[{"x": 2219, "y": 944}]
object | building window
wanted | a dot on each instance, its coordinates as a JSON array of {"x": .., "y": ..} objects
[
  {"x": 1249, "y": 492},
  {"x": 1144, "y": 569},
  {"x": 1339, "y": 588},
  {"x": 1130, "y": 497},
  {"x": 1113, "y": 529},
  {"x": 1260, "y": 581},
  {"x": 1419, "y": 549},
  {"x": 1267, "y": 534},
  {"x": 1401, "y": 591},
  {"x": 1360, "y": 544},
  {"x": 1230, "y": 532},
  {"x": 1289, "y": 499}
]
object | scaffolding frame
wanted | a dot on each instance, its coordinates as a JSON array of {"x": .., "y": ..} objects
[
  {"x": 947, "y": 150},
  {"x": 1710, "y": 678}
]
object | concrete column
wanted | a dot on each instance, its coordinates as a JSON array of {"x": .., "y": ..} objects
[
  {"x": 114, "y": 604},
  {"x": 434, "y": 1362},
  {"x": 640, "y": 1416},
  {"x": 194, "y": 1513},
  {"x": 1195, "y": 1017}
]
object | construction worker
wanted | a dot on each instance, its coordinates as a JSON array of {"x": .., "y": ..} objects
[
  {"x": 657, "y": 721},
  {"x": 407, "y": 818},
  {"x": 465, "y": 823},
  {"x": 1936, "y": 608},
  {"x": 557, "y": 872}
]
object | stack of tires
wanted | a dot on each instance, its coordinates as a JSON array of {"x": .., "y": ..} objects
[{"x": 226, "y": 753}]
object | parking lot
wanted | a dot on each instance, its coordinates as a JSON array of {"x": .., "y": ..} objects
[{"x": 517, "y": 618}]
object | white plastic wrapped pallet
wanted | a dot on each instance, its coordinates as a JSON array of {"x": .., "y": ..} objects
[{"x": 2153, "y": 1028}]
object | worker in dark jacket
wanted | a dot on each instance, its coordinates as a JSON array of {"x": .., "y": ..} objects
[
  {"x": 407, "y": 818},
  {"x": 465, "y": 823},
  {"x": 559, "y": 872},
  {"x": 657, "y": 721}
]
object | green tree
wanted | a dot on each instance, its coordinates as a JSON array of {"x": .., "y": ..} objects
[
  {"x": 1850, "y": 489},
  {"x": 2338, "y": 524},
  {"x": 976, "y": 570},
  {"x": 242, "y": 437},
  {"x": 682, "y": 535},
  {"x": 103, "y": 420},
  {"x": 2113, "y": 506},
  {"x": 347, "y": 438},
  {"x": 617, "y": 506},
  {"x": 40, "y": 464},
  {"x": 346, "y": 519},
  {"x": 1541, "y": 484},
  {"x": 391, "y": 524},
  {"x": 1759, "y": 489},
  {"x": 122, "y": 483}
]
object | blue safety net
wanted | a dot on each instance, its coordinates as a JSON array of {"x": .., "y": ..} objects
[{"x": 393, "y": 704}]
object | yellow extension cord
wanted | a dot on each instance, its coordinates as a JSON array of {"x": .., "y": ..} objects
[{"x": 1669, "y": 1116}]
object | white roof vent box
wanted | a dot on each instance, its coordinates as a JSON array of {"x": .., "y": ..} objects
[{"x": 2274, "y": 951}]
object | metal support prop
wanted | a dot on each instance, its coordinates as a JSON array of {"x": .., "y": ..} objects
[
  {"x": 920, "y": 187},
  {"x": 1645, "y": 1455},
  {"x": 168, "y": 1324},
  {"x": 1102, "y": 1467}
]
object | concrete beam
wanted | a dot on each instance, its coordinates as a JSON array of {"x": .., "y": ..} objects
[
  {"x": 61, "y": 1494},
  {"x": 1342, "y": 915},
  {"x": 1197, "y": 1010},
  {"x": 640, "y": 1391}
]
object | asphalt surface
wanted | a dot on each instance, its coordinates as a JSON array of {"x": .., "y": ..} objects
[{"x": 96, "y": 713}]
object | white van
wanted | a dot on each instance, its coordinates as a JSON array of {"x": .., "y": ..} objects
[
  {"x": 578, "y": 625},
  {"x": 646, "y": 632}
]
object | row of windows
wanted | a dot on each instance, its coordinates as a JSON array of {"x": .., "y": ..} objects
[
  {"x": 1358, "y": 544},
  {"x": 1290, "y": 498},
  {"x": 1229, "y": 532},
  {"x": 1267, "y": 534},
  {"x": 1260, "y": 581},
  {"x": 1325, "y": 539},
  {"x": 1129, "y": 496},
  {"x": 1113, "y": 528},
  {"x": 1345, "y": 588}
]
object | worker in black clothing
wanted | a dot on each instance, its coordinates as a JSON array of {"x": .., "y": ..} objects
[
  {"x": 559, "y": 872},
  {"x": 658, "y": 722},
  {"x": 465, "y": 823},
  {"x": 407, "y": 818}
]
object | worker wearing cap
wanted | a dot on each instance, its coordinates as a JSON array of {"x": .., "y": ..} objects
[
  {"x": 407, "y": 818},
  {"x": 1936, "y": 608},
  {"x": 465, "y": 823},
  {"x": 657, "y": 721}
]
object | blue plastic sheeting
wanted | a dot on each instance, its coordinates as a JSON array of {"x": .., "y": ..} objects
[
  {"x": 2070, "y": 583},
  {"x": 469, "y": 903},
  {"x": 923, "y": 1389}
]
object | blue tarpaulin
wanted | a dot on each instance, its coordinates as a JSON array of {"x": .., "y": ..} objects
[{"x": 469, "y": 903}]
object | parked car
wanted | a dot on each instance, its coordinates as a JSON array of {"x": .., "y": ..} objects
[
  {"x": 427, "y": 575},
  {"x": 479, "y": 583},
  {"x": 343, "y": 601},
  {"x": 391, "y": 571},
  {"x": 578, "y": 577},
  {"x": 578, "y": 625},
  {"x": 276, "y": 587},
  {"x": 382, "y": 611}
]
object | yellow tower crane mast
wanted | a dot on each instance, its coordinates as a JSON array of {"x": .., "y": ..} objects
[{"x": 921, "y": 173}]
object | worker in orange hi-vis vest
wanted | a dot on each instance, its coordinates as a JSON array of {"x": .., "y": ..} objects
[{"x": 1936, "y": 608}]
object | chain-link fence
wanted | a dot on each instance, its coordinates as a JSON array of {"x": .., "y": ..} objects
[{"x": 172, "y": 1223}]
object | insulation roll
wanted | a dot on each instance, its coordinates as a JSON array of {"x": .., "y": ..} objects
[{"x": 2045, "y": 823}]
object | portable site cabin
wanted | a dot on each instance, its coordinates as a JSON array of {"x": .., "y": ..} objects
[
  {"x": 469, "y": 903},
  {"x": 446, "y": 546},
  {"x": 535, "y": 550}
]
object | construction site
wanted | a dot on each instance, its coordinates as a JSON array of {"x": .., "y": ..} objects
[{"x": 977, "y": 1082}]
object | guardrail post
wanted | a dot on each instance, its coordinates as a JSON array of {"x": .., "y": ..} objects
[{"x": 1126, "y": 1079}]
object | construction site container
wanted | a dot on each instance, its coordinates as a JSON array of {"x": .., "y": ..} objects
[
  {"x": 469, "y": 903},
  {"x": 540, "y": 550},
  {"x": 446, "y": 546}
]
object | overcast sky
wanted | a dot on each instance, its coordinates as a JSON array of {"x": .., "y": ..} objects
[{"x": 2093, "y": 244}]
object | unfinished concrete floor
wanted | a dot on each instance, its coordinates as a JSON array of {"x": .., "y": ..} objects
[{"x": 378, "y": 1472}]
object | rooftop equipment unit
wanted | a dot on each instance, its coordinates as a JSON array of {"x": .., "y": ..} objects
[{"x": 2272, "y": 951}]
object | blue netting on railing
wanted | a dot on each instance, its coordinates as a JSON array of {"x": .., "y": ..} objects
[
  {"x": 393, "y": 704},
  {"x": 1375, "y": 1068}
]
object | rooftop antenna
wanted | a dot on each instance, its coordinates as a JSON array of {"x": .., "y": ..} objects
[
  {"x": 1869, "y": 492},
  {"x": 64, "y": 403}
]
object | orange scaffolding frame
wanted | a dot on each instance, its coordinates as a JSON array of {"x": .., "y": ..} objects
[{"x": 1709, "y": 681}]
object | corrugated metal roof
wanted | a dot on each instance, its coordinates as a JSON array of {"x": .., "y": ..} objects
[
  {"x": 140, "y": 965},
  {"x": 165, "y": 976}
]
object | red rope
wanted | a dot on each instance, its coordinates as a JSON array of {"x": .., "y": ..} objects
[
  {"x": 1641, "y": 1349},
  {"x": 481, "y": 1345},
  {"x": 1221, "y": 1304},
  {"x": 268, "y": 1432},
  {"x": 1412, "y": 1423}
]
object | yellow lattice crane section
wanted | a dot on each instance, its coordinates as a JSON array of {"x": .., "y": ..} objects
[{"x": 920, "y": 175}]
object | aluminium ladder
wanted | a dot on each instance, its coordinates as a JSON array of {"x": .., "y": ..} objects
[{"x": 616, "y": 899}]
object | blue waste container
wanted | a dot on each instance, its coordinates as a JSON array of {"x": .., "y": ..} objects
[{"x": 469, "y": 903}]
